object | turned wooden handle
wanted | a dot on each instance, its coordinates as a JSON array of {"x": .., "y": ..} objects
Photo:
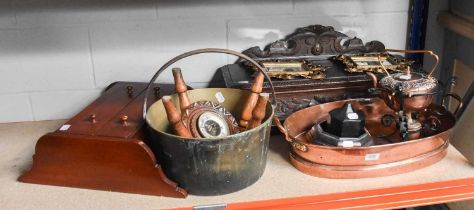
[
  {"x": 181, "y": 89},
  {"x": 174, "y": 118},
  {"x": 258, "y": 112},
  {"x": 257, "y": 84},
  {"x": 249, "y": 105},
  {"x": 202, "y": 51}
]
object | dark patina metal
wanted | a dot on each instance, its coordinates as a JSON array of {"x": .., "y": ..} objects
[{"x": 210, "y": 166}]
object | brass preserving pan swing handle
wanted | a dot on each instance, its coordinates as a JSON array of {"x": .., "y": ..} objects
[{"x": 201, "y": 51}]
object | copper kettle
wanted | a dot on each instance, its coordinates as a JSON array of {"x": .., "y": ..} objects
[{"x": 408, "y": 91}]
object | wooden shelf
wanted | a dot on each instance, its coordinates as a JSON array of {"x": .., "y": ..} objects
[{"x": 457, "y": 24}]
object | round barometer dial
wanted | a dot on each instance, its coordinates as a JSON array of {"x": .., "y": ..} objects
[
  {"x": 206, "y": 119},
  {"x": 211, "y": 125}
]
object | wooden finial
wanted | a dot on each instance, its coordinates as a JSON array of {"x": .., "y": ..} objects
[
  {"x": 174, "y": 118},
  {"x": 258, "y": 112},
  {"x": 257, "y": 84},
  {"x": 256, "y": 89},
  {"x": 181, "y": 89}
]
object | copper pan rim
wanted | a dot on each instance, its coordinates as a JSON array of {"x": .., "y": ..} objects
[
  {"x": 407, "y": 161},
  {"x": 362, "y": 148},
  {"x": 311, "y": 169}
]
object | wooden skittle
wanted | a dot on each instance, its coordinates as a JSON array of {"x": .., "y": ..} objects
[
  {"x": 174, "y": 118},
  {"x": 181, "y": 89},
  {"x": 249, "y": 105},
  {"x": 258, "y": 112}
]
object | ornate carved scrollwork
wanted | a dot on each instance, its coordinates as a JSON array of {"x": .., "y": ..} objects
[
  {"x": 290, "y": 105},
  {"x": 286, "y": 106},
  {"x": 315, "y": 40}
]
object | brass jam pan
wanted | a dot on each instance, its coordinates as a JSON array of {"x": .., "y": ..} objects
[
  {"x": 389, "y": 155},
  {"x": 217, "y": 165}
]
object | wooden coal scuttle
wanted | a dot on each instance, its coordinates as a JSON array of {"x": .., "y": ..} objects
[{"x": 104, "y": 147}]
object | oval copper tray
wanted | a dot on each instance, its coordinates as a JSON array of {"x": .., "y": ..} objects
[{"x": 389, "y": 156}]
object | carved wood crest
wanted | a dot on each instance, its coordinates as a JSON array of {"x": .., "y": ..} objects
[{"x": 315, "y": 40}]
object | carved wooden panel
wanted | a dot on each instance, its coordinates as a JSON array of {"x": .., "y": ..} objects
[
  {"x": 316, "y": 45},
  {"x": 315, "y": 40}
]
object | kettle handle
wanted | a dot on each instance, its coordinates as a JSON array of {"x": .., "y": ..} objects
[
  {"x": 201, "y": 51},
  {"x": 436, "y": 57}
]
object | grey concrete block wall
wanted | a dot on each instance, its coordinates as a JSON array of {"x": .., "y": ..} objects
[{"x": 57, "y": 55}]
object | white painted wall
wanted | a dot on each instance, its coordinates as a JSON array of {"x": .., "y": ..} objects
[{"x": 57, "y": 55}]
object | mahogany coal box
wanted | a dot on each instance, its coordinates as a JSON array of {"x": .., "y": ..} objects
[{"x": 103, "y": 147}]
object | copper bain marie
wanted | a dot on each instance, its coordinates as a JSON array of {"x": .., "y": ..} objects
[
  {"x": 408, "y": 131},
  {"x": 390, "y": 154}
]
